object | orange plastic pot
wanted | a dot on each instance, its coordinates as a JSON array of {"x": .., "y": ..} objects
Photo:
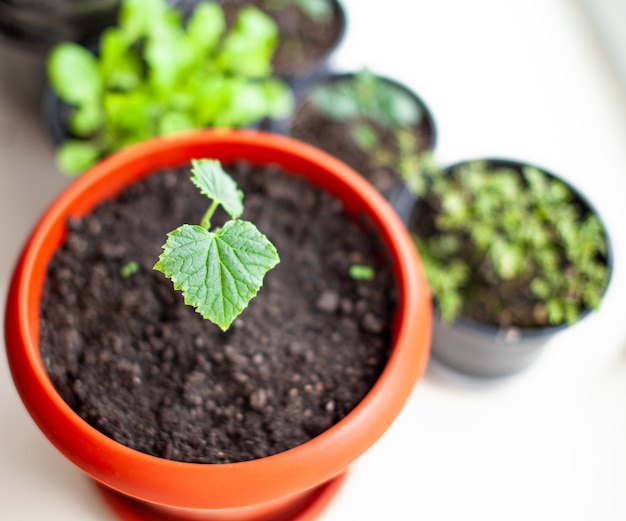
[{"x": 294, "y": 484}]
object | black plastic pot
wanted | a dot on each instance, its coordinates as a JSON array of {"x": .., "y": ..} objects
[
  {"x": 39, "y": 24},
  {"x": 55, "y": 117},
  {"x": 299, "y": 77},
  {"x": 488, "y": 351}
]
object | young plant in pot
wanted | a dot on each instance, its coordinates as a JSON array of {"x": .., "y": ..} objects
[
  {"x": 374, "y": 124},
  {"x": 513, "y": 256},
  {"x": 159, "y": 72},
  {"x": 175, "y": 418},
  {"x": 309, "y": 32}
]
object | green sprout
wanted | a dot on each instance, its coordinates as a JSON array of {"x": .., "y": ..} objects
[
  {"x": 129, "y": 269},
  {"x": 218, "y": 271},
  {"x": 157, "y": 73},
  {"x": 362, "y": 272}
]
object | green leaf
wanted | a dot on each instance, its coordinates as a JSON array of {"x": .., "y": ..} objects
[
  {"x": 206, "y": 26},
  {"x": 213, "y": 99},
  {"x": 73, "y": 157},
  {"x": 508, "y": 258},
  {"x": 119, "y": 66},
  {"x": 249, "y": 46},
  {"x": 218, "y": 272},
  {"x": 540, "y": 288},
  {"x": 279, "y": 98},
  {"x": 247, "y": 104},
  {"x": 74, "y": 74},
  {"x": 210, "y": 178},
  {"x": 86, "y": 119},
  {"x": 169, "y": 56},
  {"x": 364, "y": 136},
  {"x": 336, "y": 102},
  {"x": 172, "y": 122},
  {"x": 556, "y": 311},
  {"x": 362, "y": 272},
  {"x": 395, "y": 107},
  {"x": 137, "y": 17},
  {"x": 129, "y": 269},
  {"x": 131, "y": 110}
]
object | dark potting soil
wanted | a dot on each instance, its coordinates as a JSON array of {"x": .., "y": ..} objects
[
  {"x": 336, "y": 137},
  {"x": 145, "y": 369},
  {"x": 303, "y": 41}
]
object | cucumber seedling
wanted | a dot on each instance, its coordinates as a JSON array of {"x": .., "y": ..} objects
[{"x": 218, "y": 271}]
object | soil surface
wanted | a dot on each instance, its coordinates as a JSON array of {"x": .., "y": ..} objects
[
  {"x": 145, "y": 369},
  {"x": 303, "y": 42},
  {"x": 336, "y": 137}
]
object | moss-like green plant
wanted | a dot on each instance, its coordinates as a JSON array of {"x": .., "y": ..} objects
[
  {"x": 523, "y": 232},
  {"x": 219, "y": 271},
  {"x": 156, "y": 73}
]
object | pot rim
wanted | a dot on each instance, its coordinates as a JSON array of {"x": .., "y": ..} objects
[{"x": 240, "y": 484}]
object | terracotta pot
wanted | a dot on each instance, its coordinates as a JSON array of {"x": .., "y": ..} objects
[
  {"x": 294, "y": 484},
  {"x": 488, "y": 351}
]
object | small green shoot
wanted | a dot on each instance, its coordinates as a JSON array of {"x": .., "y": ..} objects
[
  {"x": 218, "y": 271},
  {"x": 362, "y": 272},
  {"x": 129, "y": 269}
]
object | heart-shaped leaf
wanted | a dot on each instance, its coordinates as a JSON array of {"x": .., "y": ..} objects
[{"x": 218, "y": 272}]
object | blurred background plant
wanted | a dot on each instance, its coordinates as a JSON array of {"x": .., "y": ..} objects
[
  {"x": 157, "y": 73},
  {"x": 364, "y": 101},
  {"x": 372, "y": 123},
  {"x": 507, "y": 245}
]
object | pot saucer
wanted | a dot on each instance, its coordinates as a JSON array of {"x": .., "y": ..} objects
[{"x": 307, "y": 509}]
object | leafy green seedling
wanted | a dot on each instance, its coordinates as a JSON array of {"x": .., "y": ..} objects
[
  {"x": 218, "y": 271},
  {"x": 157, "y": 73}
]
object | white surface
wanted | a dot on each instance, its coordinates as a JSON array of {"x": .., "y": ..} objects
[
  {"x": 609, "y": 20},
  {"x": 519, "y": 78}
]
